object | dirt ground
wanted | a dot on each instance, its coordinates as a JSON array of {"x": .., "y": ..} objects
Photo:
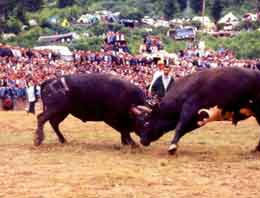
[{"x": 214, "y": 161}]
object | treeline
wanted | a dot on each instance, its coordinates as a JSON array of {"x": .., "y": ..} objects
[
  {"x": 131, "y": 8},
  {"x": 15, "y": 13}
]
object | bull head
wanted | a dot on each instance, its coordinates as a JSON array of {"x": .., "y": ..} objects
[{"x": 140, "y": 114}]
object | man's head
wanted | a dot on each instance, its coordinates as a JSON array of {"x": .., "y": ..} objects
[
  {"x": 160, "y": 65},
  {"x": 166, "y": 70}
]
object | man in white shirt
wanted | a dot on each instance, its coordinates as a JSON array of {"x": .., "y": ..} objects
[
  {"x": 31, "y": 96},
  {"x": 163, "y": 83},
  {"x": 156, "y": 75}
]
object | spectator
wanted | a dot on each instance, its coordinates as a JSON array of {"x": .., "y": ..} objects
[
  {"x": 31, "y": 92},
  {"x": 163, "y": 83},
  {"x": 156, "y": 75}
]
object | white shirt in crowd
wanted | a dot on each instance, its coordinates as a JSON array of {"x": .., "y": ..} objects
[
  {"x": 156, "y": 75},
  {"x": 31, "y": 93},
  {"x": 166, "y": 80}
]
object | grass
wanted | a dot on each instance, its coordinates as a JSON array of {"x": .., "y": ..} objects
[{"x": 213, "y": 161}]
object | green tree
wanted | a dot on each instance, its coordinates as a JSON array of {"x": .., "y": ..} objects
[
  {"x": 145, "y": 7},
  {"x": 169, "y": 9},
  {"x": 196, "y": 5},
  {"x": 65, "y": 3},
  {"x": 7, "y": 6},
  {"x": 32, "y": 5},
  {"x": 183, "y": 4},
  {"x": 217, "y": 9},
  {"x": 13, "y": 25}
]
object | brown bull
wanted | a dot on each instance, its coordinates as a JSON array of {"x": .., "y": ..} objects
[{"x": 216, "y": 114}]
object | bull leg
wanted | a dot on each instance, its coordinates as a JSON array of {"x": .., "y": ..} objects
[
  {"x": 42, "y": 118},
  {"x": 55, "y": 121},
  {"x": 126, "y": 139},
  {"x": 186, "y": 124},
  {"x": 39, "y": 135},
  {"x": 258, "y": 145},
  {"x": 180, "y": 131}
]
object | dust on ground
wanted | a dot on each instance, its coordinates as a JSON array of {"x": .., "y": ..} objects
[{"x": 214, "y": 161}]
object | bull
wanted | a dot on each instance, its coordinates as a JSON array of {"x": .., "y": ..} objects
[
  {"x": 214, "y": 94},
  {"x": 90, "y": 97}
]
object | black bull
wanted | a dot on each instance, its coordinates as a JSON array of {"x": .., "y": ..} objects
[
  {"x": 232, "y": 90},
  {"x": 90, "y": 97}
]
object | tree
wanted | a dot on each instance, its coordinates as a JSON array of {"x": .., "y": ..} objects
[
  {"x": 32, "y": 5},
  {"x": 169, "y": 8},
  {"x": 183, "y": 4},
  {"x": 145, "y": 6},
  {"x": 196, "y": 5},
  {"x": 65, "y": 3},
  {"x": 217, "y": 9},
  {"x": 6, "y": 7}
]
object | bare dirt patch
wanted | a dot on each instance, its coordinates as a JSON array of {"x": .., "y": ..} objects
[{"x": 215, "y": 161}]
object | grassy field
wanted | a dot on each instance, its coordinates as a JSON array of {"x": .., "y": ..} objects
[{"x": 214, "y": 161}]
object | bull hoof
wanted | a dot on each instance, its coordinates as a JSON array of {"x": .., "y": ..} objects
[
  {"x": 38, "y": 139},
  {"x": 134, "y": 146},
  {"x": 37, "y": 142},
  {"x": 128, "y": 142},
  {"x": 144, "y": 143},
  {"x": 63, "y": 141},
  {"x": 256, "y": 150},
  {"x": 172, "y": 149}
]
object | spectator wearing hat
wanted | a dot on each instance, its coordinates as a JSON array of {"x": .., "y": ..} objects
[
  {"x": 156, "y": 75},
  {"x": 163, "y": 83}
]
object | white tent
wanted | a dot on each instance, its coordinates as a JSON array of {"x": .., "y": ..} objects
[
  {"x": 208, "y": 24},
  {"x": 229, "y": 18},
  {"x": 201, "y": 19},
  {"x": 63, "y": 51},
  {"x": 88, "y": 18}
]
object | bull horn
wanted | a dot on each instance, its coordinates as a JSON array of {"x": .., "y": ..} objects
[
  {"x": 204, "y": 118},
  {"x": 214, "y": 113},
  {"x": 136, "y": 111},
  {"x": 144, "y": 108},
  {"x": 204, "y": 110}
]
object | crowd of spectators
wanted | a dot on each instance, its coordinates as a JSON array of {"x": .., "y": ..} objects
[
  {"x": 151, "y": 44},
  {"x": 39, "y": 65},
  {"x": 115, "y": 41}
]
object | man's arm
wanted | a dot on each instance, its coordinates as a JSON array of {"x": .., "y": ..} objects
[
  {"x": 156, "y": 75},
  {"x": 155, "y": 87}
]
